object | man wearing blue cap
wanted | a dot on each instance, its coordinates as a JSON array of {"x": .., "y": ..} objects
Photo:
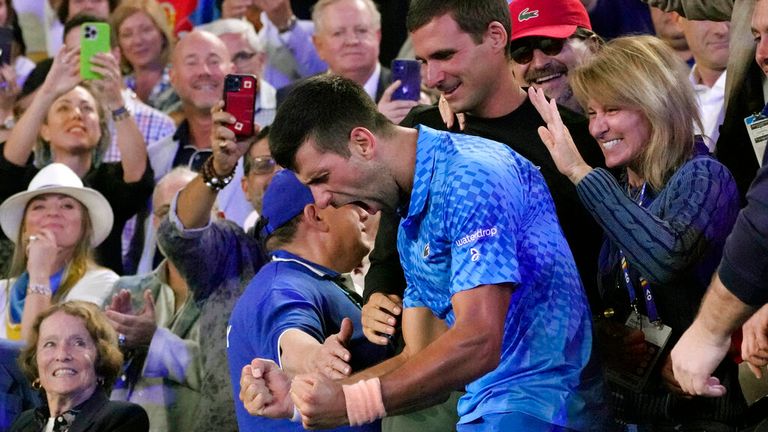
[{"x": 298, "y": 311}]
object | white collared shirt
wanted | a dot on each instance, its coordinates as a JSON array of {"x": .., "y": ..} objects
[{"x": 711, "y": 102}]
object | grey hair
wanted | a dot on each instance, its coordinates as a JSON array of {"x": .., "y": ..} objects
[{"x": 234, "y": 25}]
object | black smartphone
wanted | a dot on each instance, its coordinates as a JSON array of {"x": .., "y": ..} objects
[
  {"x": 6, "y": 45},
  {"x": 240, "y": 100},
  {"x": 409, "y": 74}
]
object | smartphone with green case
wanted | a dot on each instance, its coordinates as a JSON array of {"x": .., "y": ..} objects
[{"x": 94, "y": 38}]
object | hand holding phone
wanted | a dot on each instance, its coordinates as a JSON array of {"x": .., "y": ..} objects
[
  {"x": 240, "y": 100},
  {"x": 409, "y": 74},
  {"x": 94, "y": 38}
]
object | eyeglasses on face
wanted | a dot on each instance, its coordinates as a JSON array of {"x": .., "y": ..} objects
[
  {"x": 262, "y": 165},
  {"x": 522, "y": 49}
]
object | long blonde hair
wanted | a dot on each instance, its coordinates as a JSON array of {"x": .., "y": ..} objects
[
  {"x": 75, "y": 269},
  {"x": 642, "y": 72}
]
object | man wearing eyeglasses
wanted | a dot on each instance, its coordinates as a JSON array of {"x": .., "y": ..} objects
[
  {"x": 258, "y": 169},
  {"x": 549, "y": 38}
]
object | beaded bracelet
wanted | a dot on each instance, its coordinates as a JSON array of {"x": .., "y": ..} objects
[{"x": 214, "y": 181}]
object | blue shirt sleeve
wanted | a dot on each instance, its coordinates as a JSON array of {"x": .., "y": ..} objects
[{"x": 482, "y": 212}]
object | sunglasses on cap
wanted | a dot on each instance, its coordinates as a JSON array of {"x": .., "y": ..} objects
[{"x": 522, "y": 49}]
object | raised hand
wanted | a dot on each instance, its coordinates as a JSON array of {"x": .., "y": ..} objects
[
  {"x": 42, "y": 251},
  {"x": 64, "y": 74},
  {"x": 332, "y": 360},
  {"x": 557, "y": 138},
  {"x": 138, "y": 329},
  {"x": 226, "y": 149},
  {"x": 264, "y": 390},
  {"x": 379, "y": 316},
  {"x": 448, "y": 116},
  {"x": 111, "y": 83},
  {"x": 121, "y": 302},
  {"x": 394, "y": 110}
]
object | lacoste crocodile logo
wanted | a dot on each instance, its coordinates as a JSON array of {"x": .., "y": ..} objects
[{"x": 527, "y": 14}]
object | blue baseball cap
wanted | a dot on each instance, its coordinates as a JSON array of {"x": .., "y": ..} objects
[{"x": 284, "y": 199}]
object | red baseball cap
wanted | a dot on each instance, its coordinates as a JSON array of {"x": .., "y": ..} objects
[{"x": 548, "y": 18}]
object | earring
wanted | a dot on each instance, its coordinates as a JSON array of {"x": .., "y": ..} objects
[{"x": 36, "y": 384}]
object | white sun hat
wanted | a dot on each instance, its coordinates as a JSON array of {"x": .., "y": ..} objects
[{"x": 57, "y": 178}]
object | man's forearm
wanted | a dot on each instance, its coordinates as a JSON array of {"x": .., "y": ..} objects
[
  {"x": 721, "y": 312},
  {"x": 195, "y": 204}
]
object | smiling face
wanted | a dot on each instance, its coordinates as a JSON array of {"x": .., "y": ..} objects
[
  {"x": 550, "y": 72},
  {"x": 336, "y": 180},
  {"x": 200, "y": 63},
  {"x": 348, "y": 40},
  {"x": 66, "y": 358},
  {"x": 60, "y": 214},
  {"x": 456, "y": 65},
  {"x": 72, "y": 124},
  {"x": 141, "y": 42},
  {"x": 623, "y": 133}
]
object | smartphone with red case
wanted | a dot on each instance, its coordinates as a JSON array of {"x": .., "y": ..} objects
[{"x": 240, "y": 100}]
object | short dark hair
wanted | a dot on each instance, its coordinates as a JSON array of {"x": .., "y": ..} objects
[
  {"x": 472, "y": 16},
  {"x": 63, "y": 11},
  {"x": 81, "y": 18},
  {"x": 325, "y": 109},
  {"x": 247, "y": 159},
  {"x": 283, "y": 235}
]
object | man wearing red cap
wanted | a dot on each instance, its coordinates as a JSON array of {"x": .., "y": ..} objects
[{"x": 549, "y": 38}]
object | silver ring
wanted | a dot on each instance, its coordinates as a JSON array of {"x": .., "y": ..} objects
[{"x": 32, "y": 238}]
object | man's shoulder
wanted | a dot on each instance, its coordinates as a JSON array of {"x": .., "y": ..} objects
[{"x": 428, "y": 115}]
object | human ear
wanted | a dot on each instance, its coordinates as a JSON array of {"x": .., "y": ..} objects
[
  {"x": 362, "y": 140},
  {"x": 315, "y": 218},
  {"x": 497, "y": 35}
]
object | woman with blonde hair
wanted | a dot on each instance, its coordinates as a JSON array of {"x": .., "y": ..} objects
[
  {"x": 146, "y": 42},
  {"x": 665, "y": 222},
  {"x": 55, "y": 224},
  {"x": 67, "y": 123}
]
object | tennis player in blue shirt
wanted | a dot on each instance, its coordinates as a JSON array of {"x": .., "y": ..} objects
[{"x": 494, "y": 304}]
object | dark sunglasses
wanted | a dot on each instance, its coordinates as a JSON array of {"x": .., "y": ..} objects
[{"x": 522, "y": 49}]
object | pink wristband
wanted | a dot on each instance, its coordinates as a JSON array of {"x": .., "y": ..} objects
[{"x": 364, "y": 403}]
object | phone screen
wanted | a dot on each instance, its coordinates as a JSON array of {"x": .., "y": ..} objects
[
  {"x": 94, "y": 38},
  {"x": 409, "y": 74}
]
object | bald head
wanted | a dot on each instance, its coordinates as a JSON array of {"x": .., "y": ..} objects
[{"x": 198, "y": 65}]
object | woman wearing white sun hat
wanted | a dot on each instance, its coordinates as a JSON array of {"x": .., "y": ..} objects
[{"x": 55, "y": 225}]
